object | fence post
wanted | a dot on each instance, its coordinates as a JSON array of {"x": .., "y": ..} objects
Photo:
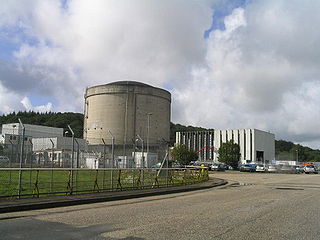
[
  {"x": 104, "y": 164},
  {"x": 30, "y": 180},
  {"x": 21, "y": 158},
  {"x": 77, "y": 163},
  {"x": 51, "y": 181},
  {"x": 72, "y": 157},
  {"x": 10, "y": 161},
  {"x": 112, "y": 152}
]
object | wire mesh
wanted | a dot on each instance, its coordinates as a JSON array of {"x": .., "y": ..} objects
[{"x": 39, "y": 182}]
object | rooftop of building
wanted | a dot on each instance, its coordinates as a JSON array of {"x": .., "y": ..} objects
[{"x": 127, "y": 83}]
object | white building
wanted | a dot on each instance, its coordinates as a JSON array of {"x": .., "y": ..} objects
[
  {"x": 148, "y": 160},
  {"x": 255, "y": 145},
  {"x": 31, "y": 130},
  {"x": 58, "y": 150}
]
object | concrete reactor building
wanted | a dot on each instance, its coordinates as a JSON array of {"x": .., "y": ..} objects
[{"x": 127, "y": 109}]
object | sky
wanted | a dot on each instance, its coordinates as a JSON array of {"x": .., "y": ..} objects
[{"x": 228, "y": 64}]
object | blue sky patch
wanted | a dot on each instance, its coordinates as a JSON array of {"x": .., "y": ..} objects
[
  {"x": 220, "y": 10},
  {"x": 11, "y": 40},
  {"x": 38, "y": 100}
]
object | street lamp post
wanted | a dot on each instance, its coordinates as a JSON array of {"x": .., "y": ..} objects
[{"x": 297, "y": 152}]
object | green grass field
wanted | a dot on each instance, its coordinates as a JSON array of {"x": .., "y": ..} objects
[{"x": 35, "y": 183}]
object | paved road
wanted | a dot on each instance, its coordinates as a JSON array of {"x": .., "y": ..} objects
[{"x": 261, "y": 206}]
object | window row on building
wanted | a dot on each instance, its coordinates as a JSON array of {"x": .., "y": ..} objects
[{"x": 255, "y": 145}]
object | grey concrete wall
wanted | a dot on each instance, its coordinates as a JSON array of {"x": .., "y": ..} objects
[{"x": 123, "y": 108}]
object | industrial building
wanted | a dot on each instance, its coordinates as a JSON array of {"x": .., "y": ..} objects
[
  {"x": 255, "y": 145},
  {"x": 135, "y": 115},
  {"x": 11, "y": 138},
  {"x": 34, "y": 131},
  {"x": 58, "y": 150}
]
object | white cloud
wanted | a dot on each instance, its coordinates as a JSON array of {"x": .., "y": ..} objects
[
  {"x": 9, "y": 101},
  {"x": 29, "y": 107},
  {"x": 95, "y": 42},
  {"x": 261, "y": 71}
]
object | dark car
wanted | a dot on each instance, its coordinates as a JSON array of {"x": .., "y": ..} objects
[
  {"x": 287, "y": 169},
  {"x": 247, "y": 168},
  {"x": 299, "y": 168}
]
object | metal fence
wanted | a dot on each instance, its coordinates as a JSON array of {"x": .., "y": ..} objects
[
  {"x": 41, "y": 153},
  {"x": 37, "y": 182}
]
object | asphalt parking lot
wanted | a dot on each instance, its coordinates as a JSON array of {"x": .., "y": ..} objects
[{"x": 251, "y": 206}]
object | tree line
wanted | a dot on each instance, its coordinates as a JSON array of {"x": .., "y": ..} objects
[
  {"x": 284, "y": 149},
  {"x": 49, "y": 119}
]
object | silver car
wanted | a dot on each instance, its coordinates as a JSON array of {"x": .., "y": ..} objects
[
  {"x": 260, "y": 168},
  {"x": 272, "y": 168},
  {"x": 310, "y": 169}
]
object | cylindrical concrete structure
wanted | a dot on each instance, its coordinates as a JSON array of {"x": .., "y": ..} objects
[{"x": 125, "y": 108}]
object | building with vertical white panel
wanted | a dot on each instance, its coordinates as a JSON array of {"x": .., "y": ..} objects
[{"x": 255, "y": 145}]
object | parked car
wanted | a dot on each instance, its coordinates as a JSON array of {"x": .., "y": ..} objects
[
  {"x": 177, "y": 165},
  {"x": 287, "y": 169},
  {"x": 247, "y": 168},
  {"x": 218, "y": 167},
  {"x": 157, "y": 165},
  {"x": 230, "y": 167},
  {"x": 272, "y": 168},
  {"x": 299, "y": 169},
  {"x": 260, "y": 168},
  {"x": 310, "y": 169}
]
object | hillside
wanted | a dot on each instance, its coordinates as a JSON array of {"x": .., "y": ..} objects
[
  {"x": 289, "y": 150},
  {"x": 50, "y": 119},
  {"x": 284, "y": 149}
]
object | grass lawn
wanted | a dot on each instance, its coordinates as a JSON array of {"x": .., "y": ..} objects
[{"x": 36, "y": 183}]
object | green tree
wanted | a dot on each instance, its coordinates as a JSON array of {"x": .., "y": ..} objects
[
  {"x": 50, "y": 119},
  {"x": 229, "y": 153},
  {"x": 184, "y": 155}
]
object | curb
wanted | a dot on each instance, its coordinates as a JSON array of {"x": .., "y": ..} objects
[{"x": 63, "y": 201}]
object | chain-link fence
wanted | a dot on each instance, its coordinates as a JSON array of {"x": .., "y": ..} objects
[
  {"x": 36, "y": 182},
  {"x": 63, "y": 151},
  {"x": 40, "y": 161}
]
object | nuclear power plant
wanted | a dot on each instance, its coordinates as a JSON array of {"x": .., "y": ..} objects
[
  {"x": 134, "y": 118},
  {"x": 127, "y": 125},
  {"x": 129, "y": 113}
]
